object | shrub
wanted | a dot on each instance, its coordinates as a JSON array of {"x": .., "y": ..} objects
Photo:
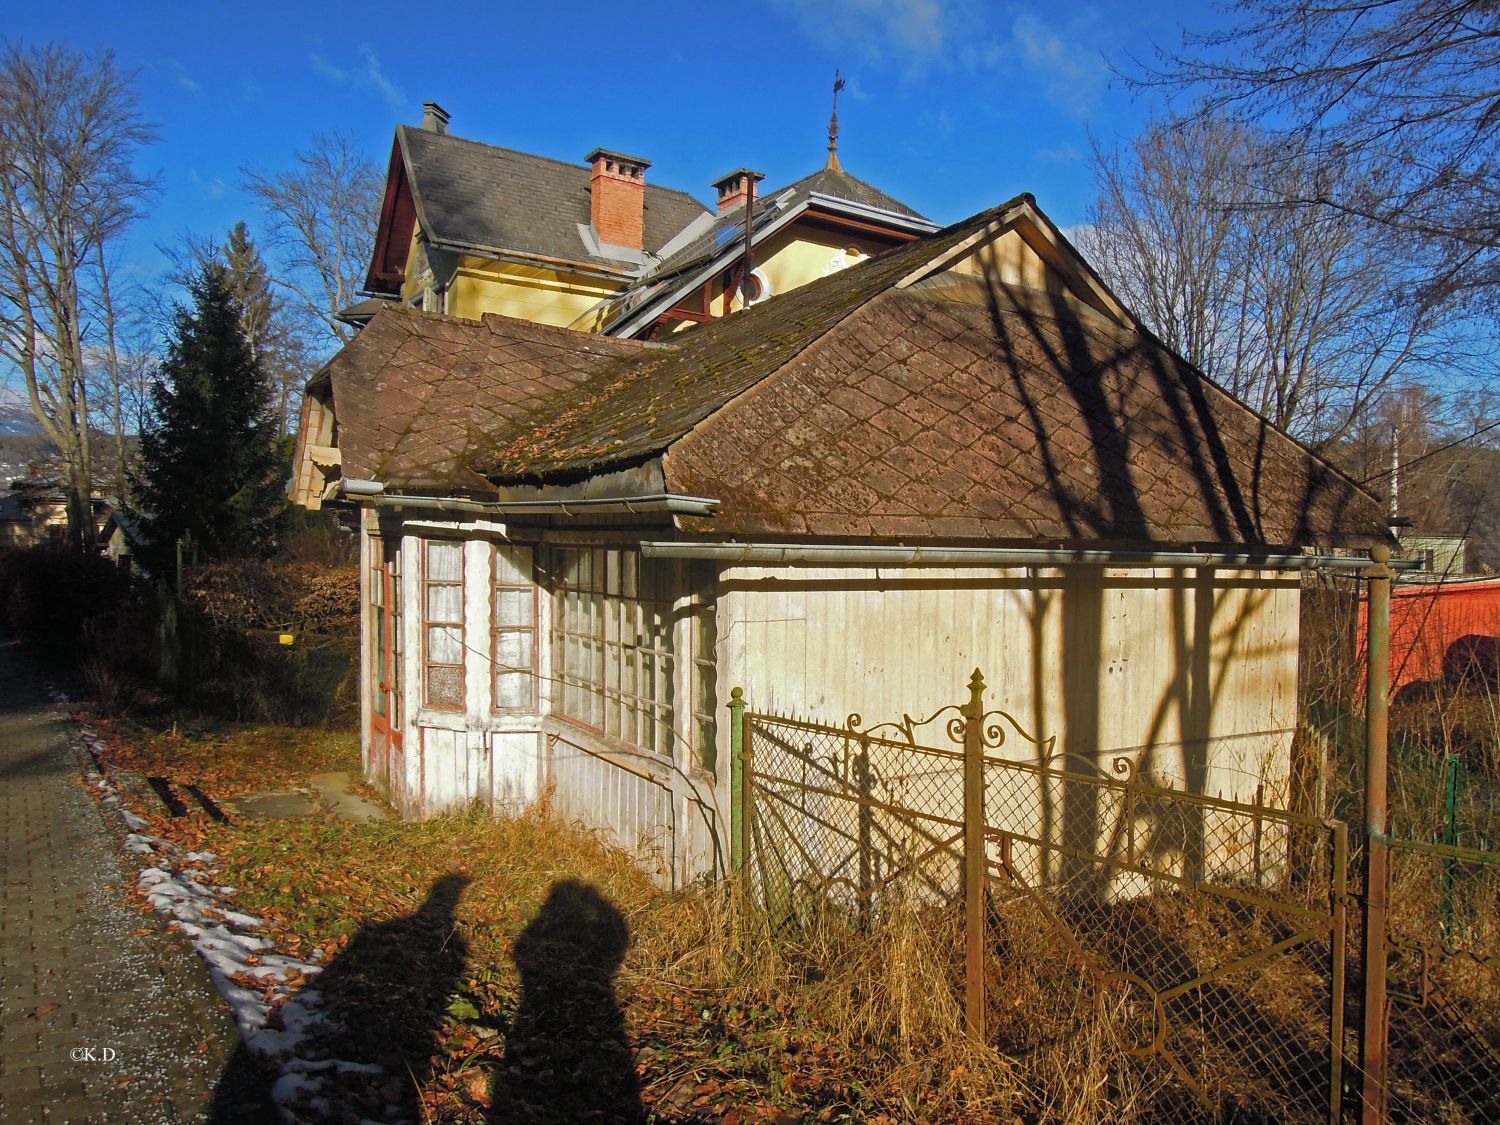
[
  {"x": 51, "y": 598},
  {"x": 229, "y": 638}
]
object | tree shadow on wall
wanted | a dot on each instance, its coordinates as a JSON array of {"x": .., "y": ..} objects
[
  {"x": 567, "y": 1056},
  {"x": 385, "y": 996}
]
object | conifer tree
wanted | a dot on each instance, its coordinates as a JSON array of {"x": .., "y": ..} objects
[{"x": 212, "y": 469}]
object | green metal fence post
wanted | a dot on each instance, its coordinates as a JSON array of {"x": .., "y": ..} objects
[
  {"x": 1451, "y": 769},
  {"x": 737, "y": 781}
]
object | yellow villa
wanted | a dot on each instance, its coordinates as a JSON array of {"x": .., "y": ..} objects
[{"x": 469, "y": 228}]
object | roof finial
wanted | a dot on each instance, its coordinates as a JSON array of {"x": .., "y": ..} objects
[{"x": 833, "y": 125}]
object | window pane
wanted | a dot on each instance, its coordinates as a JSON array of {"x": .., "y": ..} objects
[
  {"x": 513, "y": 691},
  {"x": 513, "y": 565},
  {"x": 514, "y": 607},
  {"x": 445, "y": 686},
  {"x": 445, "y": 562},
  {"x": 445, "y": 644},
  {"x": 512, "y": 651},
  {"x": 445, "y": 603}
]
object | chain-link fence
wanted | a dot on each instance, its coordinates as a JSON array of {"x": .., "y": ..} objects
[
  {"x": 1177, "y": 922},
  {"x": 1443, "y": 936}
]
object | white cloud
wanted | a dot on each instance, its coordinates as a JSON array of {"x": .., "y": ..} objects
[
  {"x": 909, "y": 34},
  {"x": 1073, "y": 75},
  {"x": 183, "y": 78},
  {"x": 375, "y": 75},
  {"x": 367, "y": 72},
  {"x": 1059, "y": 154},
  {"x": 327, "y": 69},
  {"x": 213, "y": 187}
]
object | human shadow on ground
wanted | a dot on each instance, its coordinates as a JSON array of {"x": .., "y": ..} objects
[
  {"x": 384, "y": 997},
  {"x": 567, "y": 1056}
]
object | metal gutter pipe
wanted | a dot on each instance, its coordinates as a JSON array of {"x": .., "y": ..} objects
[
  {"x": 871, "y": 555},
  {"x": 660, "y": 502}
]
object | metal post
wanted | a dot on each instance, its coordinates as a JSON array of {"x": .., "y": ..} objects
[
  {"x": 1377, "y": 690},
  {"x": 974, "y": 857},
  {"x": 1338, "y": 900},
  {"x": 737, "y": 853},
  {"x": 866, "y": 833},
  {"x": 1450, "y": 835}
]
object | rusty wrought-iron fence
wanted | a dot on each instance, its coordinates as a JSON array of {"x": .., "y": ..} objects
[{"x": 1183, "y": 916}]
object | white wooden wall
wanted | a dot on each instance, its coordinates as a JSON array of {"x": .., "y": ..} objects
[
  {"x": 1200, "y": 667},
  {"x": 663, "y": 809},
  {"x": 1191, "y": 675}
]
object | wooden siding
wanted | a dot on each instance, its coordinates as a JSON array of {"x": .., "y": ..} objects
[
  {"x": 1192, "y": 675},
  {"x": 630, "y": 801}
]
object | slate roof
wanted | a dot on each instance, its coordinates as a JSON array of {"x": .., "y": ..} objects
[
  {"x": 827, "y": 181},
  {"x": 479, "y": 196},
  {"x": 949, "y": 410},
  {"x": 418, "y": 395}
]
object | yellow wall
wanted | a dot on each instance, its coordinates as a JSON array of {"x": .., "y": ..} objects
[
  {"x": 537, "y": 294},
  {"x": 482, "y": 285},
  {"x": 1010, "y": 260},
  {"x": 799, "y": 255}
]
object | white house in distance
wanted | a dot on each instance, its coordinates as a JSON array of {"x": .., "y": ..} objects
[{"x": 960, "y": 453}]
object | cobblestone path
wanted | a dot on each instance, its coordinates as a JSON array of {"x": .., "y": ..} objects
[{"x": 77, "y": 975}]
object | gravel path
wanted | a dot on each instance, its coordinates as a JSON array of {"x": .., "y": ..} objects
[{"x": 104, "y": 1016}]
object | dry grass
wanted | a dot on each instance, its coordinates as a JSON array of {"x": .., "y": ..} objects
[{"x": 833, "y": 1019}]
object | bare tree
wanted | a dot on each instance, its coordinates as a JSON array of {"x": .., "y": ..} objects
[
  {"x": 1304, "y": 313},
  {"x": 1401, "y": 92},
  {"x": 69, "y": 132},
  {"x": 321, "y": 215}
]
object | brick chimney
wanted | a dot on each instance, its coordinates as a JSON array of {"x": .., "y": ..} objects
[
  {"x": 434, "y": 118},
  {"x": 736, "y": 187},
  {"x": 618, "y": 208}
]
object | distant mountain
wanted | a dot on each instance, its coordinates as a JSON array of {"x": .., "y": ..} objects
[
  {"x": 17, "y": 418},
  {"x": 17, "y": 450}
]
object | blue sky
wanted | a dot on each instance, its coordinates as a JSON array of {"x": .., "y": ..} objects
[{"x": 952, "y": 105}]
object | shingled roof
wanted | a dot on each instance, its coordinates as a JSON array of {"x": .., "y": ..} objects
[
  {"x": 955, "y": 408},
  {"x": 833, "y": 183},
  {"x": 471, "y": 195}
]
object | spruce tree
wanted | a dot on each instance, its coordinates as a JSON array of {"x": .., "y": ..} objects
[{"x": 211, "y": 464}]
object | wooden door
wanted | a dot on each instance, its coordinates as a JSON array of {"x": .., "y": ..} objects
[{"x": 388, "y": 763}]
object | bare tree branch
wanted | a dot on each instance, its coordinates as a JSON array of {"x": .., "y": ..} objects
[
  {"x": 321, "y": 217},
  {"x": 69, "y": 131},
  {"x": 1306, "y": 314},
  {"x": 1403, "y": 93}
]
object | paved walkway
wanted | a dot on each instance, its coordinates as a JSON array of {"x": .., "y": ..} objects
[{"x": 82, "y": 971}]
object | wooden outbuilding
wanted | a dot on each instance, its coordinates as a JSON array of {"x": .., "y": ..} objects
[{"x": 961, "y": 453}]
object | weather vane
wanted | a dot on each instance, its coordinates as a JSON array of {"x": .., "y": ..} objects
[{"x": 833, "y": 124}]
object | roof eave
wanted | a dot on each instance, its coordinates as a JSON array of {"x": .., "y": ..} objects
[{"x": 912, "y": 223}]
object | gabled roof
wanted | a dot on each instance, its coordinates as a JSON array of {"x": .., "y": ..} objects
[
  {"x": 831, "y": 190},
  {"x": 479, "y": 197},
  {"x": 890, "y": 401}
]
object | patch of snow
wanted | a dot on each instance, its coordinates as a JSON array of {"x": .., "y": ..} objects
[{"x": 276, "y": 1016}]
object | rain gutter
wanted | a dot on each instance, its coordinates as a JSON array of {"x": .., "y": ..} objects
[
  {"x": 819, "y": 554},
  {"x": 657, "y": 502}
]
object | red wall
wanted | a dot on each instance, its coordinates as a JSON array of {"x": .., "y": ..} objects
[{"x": 1426, "y": 620}]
